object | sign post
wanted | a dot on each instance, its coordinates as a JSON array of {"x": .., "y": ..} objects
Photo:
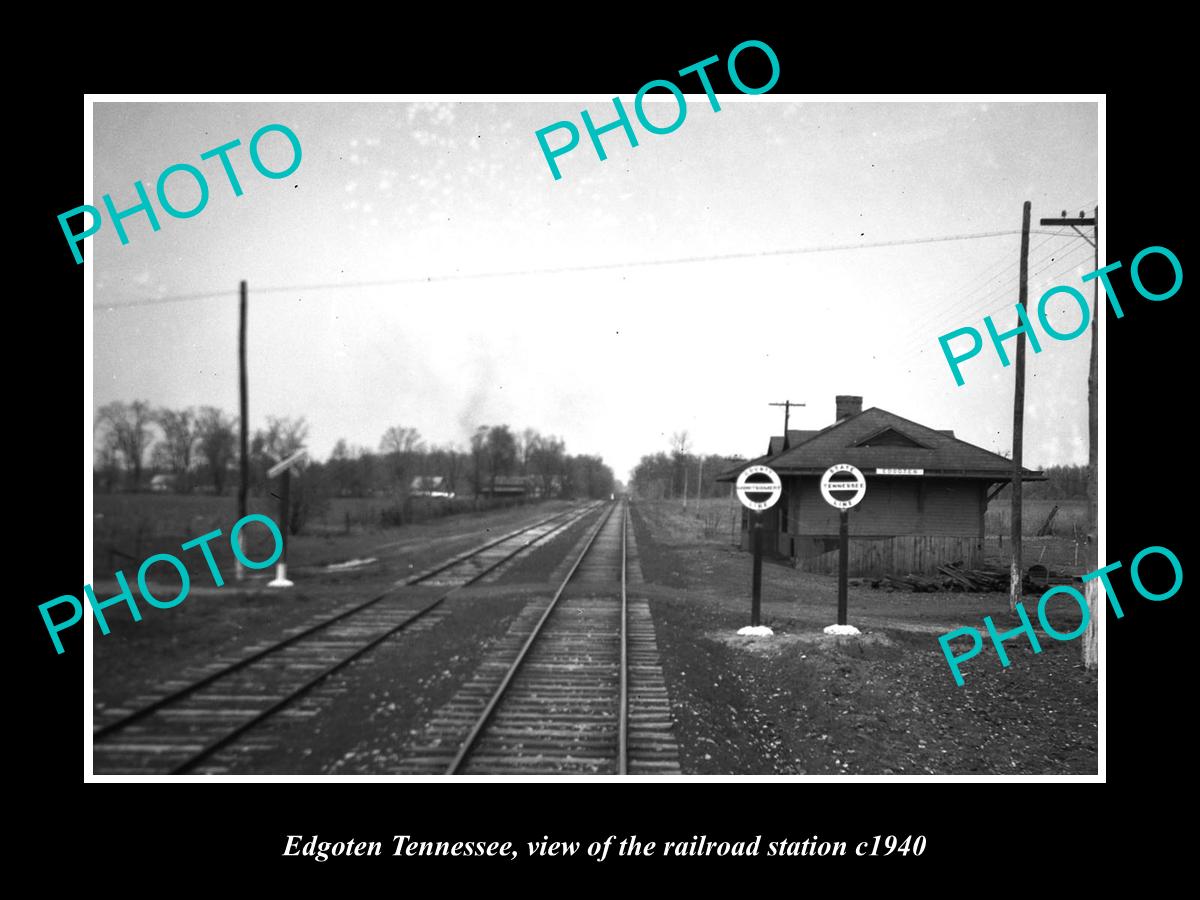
[
  {"x": 843, "y": 563},
  {"x": 284, "y": 468},
  {"x": 843, "y": 487},
  {"x": 759, "y": 488},
  {"x": 756, "y": 570}
]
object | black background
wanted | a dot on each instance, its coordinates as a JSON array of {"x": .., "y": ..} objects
[{"x": 212, "y": 835}]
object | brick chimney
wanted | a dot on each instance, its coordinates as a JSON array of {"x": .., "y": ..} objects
[{"x": 848, "y": 406}]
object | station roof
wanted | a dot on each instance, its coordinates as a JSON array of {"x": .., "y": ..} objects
[
  {"x": 876, "y": 438},
  {"x": 779, "y": 443}
]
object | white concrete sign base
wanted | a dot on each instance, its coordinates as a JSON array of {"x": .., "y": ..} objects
[{"x": 841, "y": 629}]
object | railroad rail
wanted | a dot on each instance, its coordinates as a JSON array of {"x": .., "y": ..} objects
[
  {"x": 183, "y": 729},
  {"x": 574, "y": 688}
]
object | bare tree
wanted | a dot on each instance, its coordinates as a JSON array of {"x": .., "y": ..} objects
[
  {"x": 179, "y": 441},
  {"x": 216, "y": 436},
  {"x": 501, "y": 452},
  {"x": 400, "y": 444},
  {"x": 679, "y": 448},
  {"x": 399, "y": 439},
  {"x": 452, "y": 466},
  {"x": 547, "y": 462},
  {"x": 527, "y": 444},
  {"x": 108, "y": 459},
  {"x": 680, "y": 444},
  {"x": 282, "y": 437},
  {"x": 478, "y": 456},
  {"x": 128, "y": 425}
]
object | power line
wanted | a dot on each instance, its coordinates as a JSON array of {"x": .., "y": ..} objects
[
  {"x": 919, "y": 344},
  {"x": 429, "y": 279},
  {"x": 921, "y": 313},
  {"x": 980, "y": 305},
  {"x": 932, "y": 314},
  {"x": 992, "y": 306},
  {"x": 966, "y": 308}
]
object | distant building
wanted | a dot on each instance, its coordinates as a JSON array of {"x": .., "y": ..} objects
[
  {"x": 160, "y": 484},
  {"x": 504, "y": 486},
  {"x": 429, "y": 486},
  {"x": 927, "y": 493}
]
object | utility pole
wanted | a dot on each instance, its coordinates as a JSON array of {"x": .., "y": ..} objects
[
  {"x": 787, "y": 408},
  {"x": 1091, "y": 589},
  {"x": 1016, "y": 577},
  {"x": 700, "y": 482},
  {"x": 244, "y": 483}
]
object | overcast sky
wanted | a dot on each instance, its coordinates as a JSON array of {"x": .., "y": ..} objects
[{"x": 613, "y": 361}]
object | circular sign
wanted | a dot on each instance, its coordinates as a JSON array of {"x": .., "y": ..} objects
[
  {"x": 758, "y": 488},
  {"x": 843, "y": 486}
]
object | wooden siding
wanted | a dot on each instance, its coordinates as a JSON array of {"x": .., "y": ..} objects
[
  {"x": 893, "y": 506},
  {"x": 774, "y": 541},
  {"x": 899, "y": 555}
]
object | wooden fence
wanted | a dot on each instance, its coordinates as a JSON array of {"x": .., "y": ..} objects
[{"x": 899, "y": 555}]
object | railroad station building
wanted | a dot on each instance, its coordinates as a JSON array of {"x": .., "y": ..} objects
[{"x": 927, "y": 493}]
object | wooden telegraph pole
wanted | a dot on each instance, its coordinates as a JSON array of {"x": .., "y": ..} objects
[
  {"x": 244, "y": 424},
  {"x": 1091, "y": 589},
  {"x": 787, "y": 408},
  {"x": 1016, "y": 576}
]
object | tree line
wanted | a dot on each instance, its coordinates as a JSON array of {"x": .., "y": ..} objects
[
  {"x": 671, "y": 475},
  {"x": 674, "y": 474},
  {"x": 198, "y": 450}
]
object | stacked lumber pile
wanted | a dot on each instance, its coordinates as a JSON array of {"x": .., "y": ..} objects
[
  {"x": 953, "y": 577},
  {"x": 974, "y": 580}
]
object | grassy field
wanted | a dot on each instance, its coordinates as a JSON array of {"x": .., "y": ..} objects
[
  {"x": 1070, "y": 518},
  {"x": 127, "y": 528}
]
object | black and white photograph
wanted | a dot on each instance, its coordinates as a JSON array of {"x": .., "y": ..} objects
[{"x": 697, "y": 433}]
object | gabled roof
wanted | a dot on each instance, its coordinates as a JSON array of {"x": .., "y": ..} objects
[
  {"x": 779, "y": 442},
  {"x": 937, "y": 452},
  {"x": 891, "y": 436},
  {"x": 795, "y": 437}
]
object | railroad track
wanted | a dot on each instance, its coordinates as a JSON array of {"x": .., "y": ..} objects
[
  {"x": 573, "y": 688},
  {"x": 211, "y": 712}
]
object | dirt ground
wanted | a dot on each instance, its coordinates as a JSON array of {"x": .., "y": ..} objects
[
  {"x": 136, "y": 656},
  {"x": 802, "y": 702},
  {"x": 799, "y": 702}
]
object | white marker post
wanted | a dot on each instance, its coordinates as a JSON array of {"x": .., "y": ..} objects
[
  {"x": 843, "y": 486},
  {"x": 285, "y": 468}
]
